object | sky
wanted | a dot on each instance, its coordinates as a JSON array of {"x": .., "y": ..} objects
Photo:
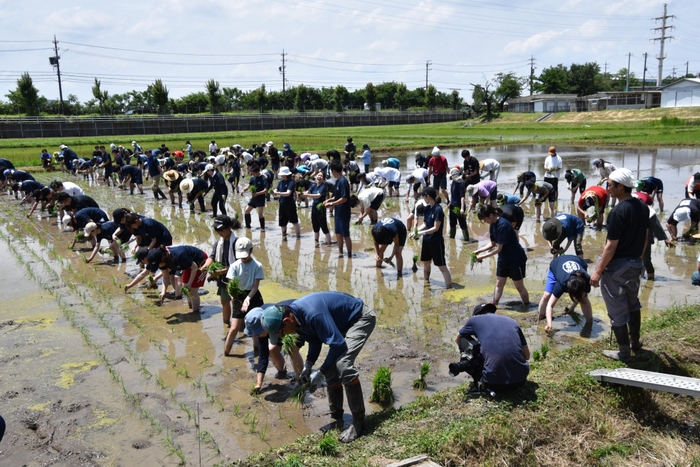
[{"x": 128, "y": 44}]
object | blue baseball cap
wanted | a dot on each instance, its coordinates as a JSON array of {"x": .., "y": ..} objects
[{"x": 253, "y": 324}]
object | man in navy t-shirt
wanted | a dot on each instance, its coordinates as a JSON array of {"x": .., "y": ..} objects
[{"x": 340, "y": 201}]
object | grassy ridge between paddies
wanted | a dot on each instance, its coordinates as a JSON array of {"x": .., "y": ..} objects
[
  {"x": 653, "y": 127},
  {"x": 561, "y": 417}
]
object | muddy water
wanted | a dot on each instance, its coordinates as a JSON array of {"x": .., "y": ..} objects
[{"x": 170, "y": 363}]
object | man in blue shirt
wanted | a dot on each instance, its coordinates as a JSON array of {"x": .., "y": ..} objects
[
  {"x": 340, "y": 199},
  {"x": 564, "y": 226},
  {"x": 503, "y": 350},
  {"x": 343, "y": 323},
  {"x": 133, "y": 175},
  {"x": 155, "y": 172}
]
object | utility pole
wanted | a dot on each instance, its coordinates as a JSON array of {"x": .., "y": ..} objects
[
  {"x": 427, "y": 69},
  {"x": 644, "y": 75},
  {"x": 532, "y": 72},
  {"x": 54, "y": 61},
  {"x": 605, "y": 73},
  {"x": 674, "y": 73},
  {"x": 662, "y": 39},
  {"x": 686, "y": 68},
  {"x": 283, "y": 70},
  {"x": 627, "y": 84}
]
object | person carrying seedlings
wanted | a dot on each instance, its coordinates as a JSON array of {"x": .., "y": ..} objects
[
  {"x": 412, "y": 220},
  {"x": 97, "y": 232},
  {"x": 317, "y": 193},
  {"x": 484, "y": 192},
  {"x": 244, "y": 277},
  {"x": 370, "y": 199},
  {"x": 513, "y": 214},
  {"x": 340, "y": 204},
  {"x": 522, "y": 179},
  {"x": 257, "y": 186},
  {"x": 619, "y": 268},
  {"x": 286, "y": 192},
  {"x": 433, "y": 247},
  {"x": 437, "y": 169},
  {"x": 502, "y": 362},
  {"x": 222, "y": 256},
  {"x": 687, "y": 210},
  {"x": 132, "y": 175},
  {"x": 458, "y": 205},
  {"x": 173, "y": 178},
  {"x": 352, "y": 170},
  {"x": 692, "y": 186},
  {"x": 350, "y": 149},
  {"x": 654, "y": 187},
  {"x": 343, "y": 323},
  {"x": 392, "y": 177},
  {"x": 268, "y": 351},
  {"x": 194, "y": 189},
  {"x": 490, "y": 167},
  {"x": 595, "y": 197},
  {"x": 564, "y": 226},
  {"x": 416, "y": 181},
  {"x": 366, "y": 157},
  {"x": 470, "y": 168},
  {"x": 567, "y": 273},
  {"x": 511, "y": 256},
  {"x": 577, "y": 182},
  {"x": 541, "y": 191},
  {"x": 218, "y": 184},
  {"x": 386, "y": 232},
  {"x": 149, "y": 233}
]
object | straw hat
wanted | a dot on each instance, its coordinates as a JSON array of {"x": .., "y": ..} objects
[
  {"x": 171, "y": 175},
  {"x": 186, "y": 185}
]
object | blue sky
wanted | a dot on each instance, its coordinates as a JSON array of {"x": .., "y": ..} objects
[{"x": 128, "y": 44}]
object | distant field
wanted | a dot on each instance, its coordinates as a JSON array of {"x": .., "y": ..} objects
[{"x": 680, "y": 127}]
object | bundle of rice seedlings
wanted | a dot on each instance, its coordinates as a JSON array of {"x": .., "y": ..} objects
[
  {"x": 151, "y": 282},
  {"x": 389, "y": 262},
  {"x": 419, "y": 383},
  {"x": 328, "y": 446},
  {"x": 252, "y": 189},
  {"x": 415, "y": 265},
  {"x": 297, "y": 396},
  {"x": 106, "y": 251},
  {"x": 270, "y": 191},
  {"x": 234, "y": 290},
  {"x": 473, "y": 260},
  {"x": 320, "y": 206},
  {"x": 575, "y": 316},
  {"x": 185, "y": 291},
  {"x": 235, "y": 215},
  {"x": 289, "y": 341},
  {"x": 79, "y": 237},
  {"x": 381, "y": 386},
  {"x": 215, "y": 266},
  {"x": 54, "y": 210}
]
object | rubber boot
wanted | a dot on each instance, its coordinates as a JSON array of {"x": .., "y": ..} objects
[
  {"x": 262, "y": 223},
  {"x": 356, "y": 403},
  {"x": 453, "y": 231},
  {"x": 465, "y": 235},
  {"x": 623, "y": 344},
  {"x": 335, "y": 404},
  {"x": 634, "y": 325},
  {"x": 247, "y": 220},
  {"x": 161, "y": 194}
]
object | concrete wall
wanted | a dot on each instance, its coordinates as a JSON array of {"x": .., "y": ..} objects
[{"x": 56, "y": 127}]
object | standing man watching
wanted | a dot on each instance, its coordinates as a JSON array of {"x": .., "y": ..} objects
[
  {"x": 342, "y": 322},
  {"x": 620, "y": 267},
  {"x": 552, "y": 169},
  {"x": 341, "y": 214},
  {"x": 437, "y": 168}
]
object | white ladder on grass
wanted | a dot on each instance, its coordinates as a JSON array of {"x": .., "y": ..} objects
[{"x": 649, "y": 380}]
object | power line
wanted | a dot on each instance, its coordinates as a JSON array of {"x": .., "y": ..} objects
[{"x": 167, "y": 53}]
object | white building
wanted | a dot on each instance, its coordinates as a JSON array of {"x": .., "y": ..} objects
[{"x": 682, "y": 93}]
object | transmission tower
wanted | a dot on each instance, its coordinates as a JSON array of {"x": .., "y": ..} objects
[
  {"x": 532, "y": 72},
  {"x": 662, "y": 39}
]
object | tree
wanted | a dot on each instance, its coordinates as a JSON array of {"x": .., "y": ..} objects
[
  {"x": 214, "y": 95},
  {"x": 552, "y": 80},
  {"x": 401, "y": 96},
  {"x": 26, "y": 96},
  {"x": 508, "y": 86},
  {"x": 101, "y": 96},
  {"x": 371, "y": 96},
  {"x": 260, "y": 98},
  {"x": 302, "y": 95},
  {"x": 340, "y": 97},
  {"x": 618, "y": 81},
  {"x": 484, "y": 99},
  {"x": 231, "y": 98},
  {"x": 585, "y": 79},
  {"x": 455, "y": 100},
  {"x": 430, "y": 97},
  {"x": 158, "y": 93}
]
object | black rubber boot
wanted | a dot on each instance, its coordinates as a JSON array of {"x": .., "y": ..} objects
[
  {"x": 356, "y": 403},
  {"x": 262, "y": 223},
  {"x": 161, "y": 194},
  {"x": 623, "y": 344},
  {"x": 335, "y": 404},
  {"x": 465, "y": 235},
  {"x": 453, "y": 231},
  {"x": 634, "y": 325},
  {"x": 247, "y": 220}
]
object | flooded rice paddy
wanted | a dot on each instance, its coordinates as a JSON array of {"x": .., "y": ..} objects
[{"x": 93, "y": 376}]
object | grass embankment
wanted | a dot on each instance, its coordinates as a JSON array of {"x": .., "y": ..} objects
[
  {"x": 561, "y": 417},
  {"x": 653, "y": 127}
]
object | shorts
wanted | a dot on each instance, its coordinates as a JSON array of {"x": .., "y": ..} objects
[
  {"x": 394, "y": 185},
  {"x": 136, "y": 179},
  {"x": 512, "y": 271},
  {"x": 433, "y": 250},
  {"x": 275, "y": 166},
  {"x": 255, "y": 302},
  {"x": 377, "y": 202},
  {"x": 198, "y": 281},
  {"x": 352, "y": 178},
  {"x": 222, "y": 292},
  {"x": 403, "y": 234},
  {"x": 257, "y": 202},
  {"x": 550, "y": 282},
  {"x": 581, "y": 187},
  {"x": 493, "y": 195},
  {"x": 342, "y": 226},
  {"x": 440, "y": 181},
  {"x": 555, "y": 192},
  {"x": 660, "y": 188},
  {"x": 417, "y": 187},
  {"x": 288, "y": 214}
]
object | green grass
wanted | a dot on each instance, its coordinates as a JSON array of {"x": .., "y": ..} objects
[{"x": 654, "y": 127}]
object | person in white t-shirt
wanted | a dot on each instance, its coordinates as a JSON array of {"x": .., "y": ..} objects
[
  {"x": 552, "y": 172},
  {"x": 492, "y": 167},
  {"x": 369, "y": 200},
  {"x": 392, "y": 176},
  {"x": 417, "y": 180}
]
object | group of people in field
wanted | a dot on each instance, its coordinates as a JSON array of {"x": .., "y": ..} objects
[{"x": 335, "y": 185}]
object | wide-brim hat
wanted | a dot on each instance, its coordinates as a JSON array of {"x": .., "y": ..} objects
[
  {"x": 186, "y": 185},
  {"x": 551, "y": 230},
  {"x": 471, "y": 190},
  {"x": 253, "y": 324},
  {"x": 285, "y": 172},
  {"x": 171, "y": 175}
]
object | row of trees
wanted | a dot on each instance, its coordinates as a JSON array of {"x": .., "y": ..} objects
[{"x": 215, "y": 99}]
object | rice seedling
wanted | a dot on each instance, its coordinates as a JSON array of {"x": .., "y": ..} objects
[
  {"x": 237, "y": 409},
  {"x": 420, "y": 383},
  {"x": 320, "y": 206},
  {"x": 80, "y": 238},
  {"x": 218, "y": 402},
  {"x": 575, "y": 316},
  {"x": 414, "y": 268},
  {"x": 159, "y": 382},
  {"x": 297, "y": 396},
  {"x": 106, "y": 251},
  {"x": 182, "y": 371},
  {"x": 381, "y": 386},
  {"x": 151, "y": 282},
  {"x": 205, "y": 360},
  {"x": 389, "y": 262},
  {"x": 263, "y": 433},
  {"x": 544, "y": 350},
  {"x": 328, "y": 446},
  {"x": 197, "y": 382},
  {"x": 207, "y": 438},
  {"x": 472, "y": 260},
  {"x": 289, "y": 342},
  {"x": 215, "y": 266},
  {"x": 185, "y": 291},
  {"x": 536, "y": 355}
]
